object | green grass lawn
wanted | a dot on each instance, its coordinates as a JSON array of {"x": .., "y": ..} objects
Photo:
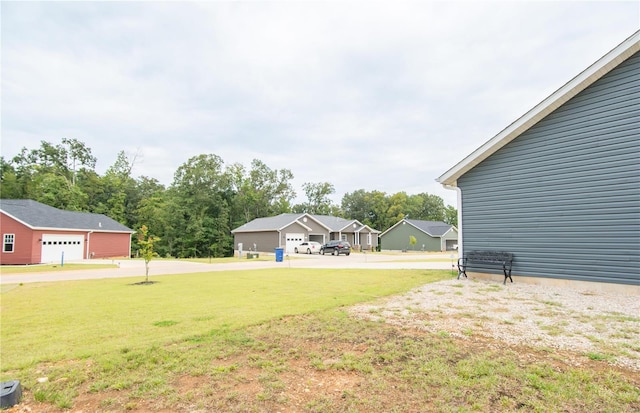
[
  {"x": 78, "y": 319},
  {"x": 272, "y": 340},
  {"x": 24, "y": 269}
]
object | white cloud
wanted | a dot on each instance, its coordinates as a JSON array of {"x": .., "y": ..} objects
[{"x": 382, "y": 95}]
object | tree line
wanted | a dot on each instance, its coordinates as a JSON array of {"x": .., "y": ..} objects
[{"x": 194, "y": 215}]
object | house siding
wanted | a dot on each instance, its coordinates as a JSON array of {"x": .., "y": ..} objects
[
  {"x": 108, "y": 245},
  {"x": 451, "y": 237},
  {"x": 26, "y": 249},
  {"x": 398, "y": 239},
  {"x": 264, "y": 241},
  {"x": 564, "y": 196}
]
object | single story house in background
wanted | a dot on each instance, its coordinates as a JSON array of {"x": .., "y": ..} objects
[
  {"x": 34, "y": 233},
  {"x": 560, "y": 187},
  {"x": 429, "y": 235},
  {"x": 289, "y": 230}
]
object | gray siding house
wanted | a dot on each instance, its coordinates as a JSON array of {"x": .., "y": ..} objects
[
  {"x": 560, "y": 187},
  {"x": 429, "y": 235},
  {"x": 289, "y": 230}
]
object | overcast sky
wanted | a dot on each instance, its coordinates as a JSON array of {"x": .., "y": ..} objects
[{"x": 384, "y": 95}]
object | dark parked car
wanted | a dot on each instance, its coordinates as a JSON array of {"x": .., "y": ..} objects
[{"x": 336, "y": 248}]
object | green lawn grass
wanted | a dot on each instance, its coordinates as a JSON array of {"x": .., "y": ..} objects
[
  {"x": 24, "y": 269},
  {"x": 272, "y": 340},
  {"x": 78, "y": 319}
]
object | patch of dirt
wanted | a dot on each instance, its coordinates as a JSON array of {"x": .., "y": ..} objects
[
  {"x": 145, "y": 283},
  {"x": 476, "y": 316},
  {"x": 585, "y": 323}
]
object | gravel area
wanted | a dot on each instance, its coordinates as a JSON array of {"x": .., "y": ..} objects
[{"x": 599, "y": 325}]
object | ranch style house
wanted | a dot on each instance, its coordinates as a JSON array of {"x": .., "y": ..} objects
[{"x": 287, "y": 231}]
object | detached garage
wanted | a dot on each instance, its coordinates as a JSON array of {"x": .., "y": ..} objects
[{"x": 34, "y": 233}]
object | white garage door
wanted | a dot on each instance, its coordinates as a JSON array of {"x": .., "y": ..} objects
[
  {"x": 53, "y": 245},
  {"x": 293, "y": 240}
]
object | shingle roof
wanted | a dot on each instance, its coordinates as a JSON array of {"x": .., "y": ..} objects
[
  {"x": 333, "y": 224},
  {"x": 39, "y": 216},
  {"x": 269, "y": 223},
  {"x": 431, "y": 228}
]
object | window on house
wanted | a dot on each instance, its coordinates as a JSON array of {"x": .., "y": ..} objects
[
  {"x": 368, "y": 239},
  {"x": 9, "y": 241},
  {"x": 344, "y": 237}
]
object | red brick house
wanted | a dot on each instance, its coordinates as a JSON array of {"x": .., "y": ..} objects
[{"x": 34, "y": 233}]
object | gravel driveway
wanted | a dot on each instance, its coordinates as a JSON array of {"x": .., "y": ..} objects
[{"x": 602, "y": 326}]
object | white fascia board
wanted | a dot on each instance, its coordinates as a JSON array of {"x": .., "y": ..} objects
[
  {"x": 405, "y": 221},
  {"x": 393, "y": 226},
  {"x": 246, "y": 231},
  {"x": 449, "y": 230},
  {"x": 317, "y": 221},
  {"x": 350, "y": 224},
  {"x": 298, "y": 221},
  {"x": 17, "y": 220},
  {"x": 291, "y": 222},
  {"x": 81, "y": 230},
  {"x": 420, "y": 229},
  {"x": 576, "y": 85},
  {"x": 371, "y": 230}
]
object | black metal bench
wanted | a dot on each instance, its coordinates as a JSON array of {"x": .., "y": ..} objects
[{"x": 486, "y": 260}]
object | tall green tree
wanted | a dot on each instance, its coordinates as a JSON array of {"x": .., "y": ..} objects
[
  {"x": 432, "y": 208},
  {"x": 9, "y": 185},
  {"x": 259, "y": 192},
  {"x": 199, "y": 205},
  {"x": 378, "y": 207},
  {"x": 54, "y": 190},
  {"x": 451, "y": 216},
  {"x": 118, "y": 198},
  {"x": 381, "y": 211},
  {"x": 398, "y": 208},
  {"x": 64, "y": 159},
  {"x": 356, "y": 206},
  {"x": 318, "y": 201},
  {"x": 58, "y": 166}
]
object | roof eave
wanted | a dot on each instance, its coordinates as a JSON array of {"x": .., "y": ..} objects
[
  {"x": 350, "y": 224},
  {"x": 26, "y": 224},
  {"x": 235, "y": 231},
  {"x": 81, "y": 230},
  {"x": 587, "y": 77}
]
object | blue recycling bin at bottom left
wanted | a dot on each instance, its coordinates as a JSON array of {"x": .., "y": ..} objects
[{"x": 279, "y": 254}]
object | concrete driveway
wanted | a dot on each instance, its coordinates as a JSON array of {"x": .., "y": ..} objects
[{"x": 135, "y": 268}]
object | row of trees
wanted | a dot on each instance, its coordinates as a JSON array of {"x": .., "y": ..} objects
[{"x": 194, "y": 215}]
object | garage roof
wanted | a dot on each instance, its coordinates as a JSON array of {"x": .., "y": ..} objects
[{"x": 36, "y": 215}]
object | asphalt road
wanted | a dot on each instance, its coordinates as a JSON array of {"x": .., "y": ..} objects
[{"x": 135, "y": 268}]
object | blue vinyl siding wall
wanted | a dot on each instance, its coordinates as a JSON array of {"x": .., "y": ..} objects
[{"x": 564, "y": 196}]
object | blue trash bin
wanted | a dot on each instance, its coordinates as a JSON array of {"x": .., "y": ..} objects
[{"x": 279, "y": 254}]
